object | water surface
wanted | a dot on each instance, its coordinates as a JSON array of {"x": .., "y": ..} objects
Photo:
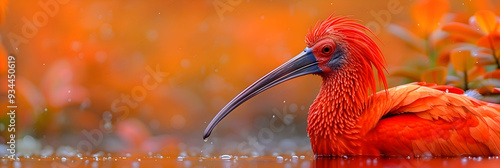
[{"x": 245, "y": 161}]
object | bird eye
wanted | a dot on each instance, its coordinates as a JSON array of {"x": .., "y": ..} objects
[{"x": 327, "y": 49}]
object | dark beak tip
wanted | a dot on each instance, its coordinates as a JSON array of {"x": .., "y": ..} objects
[{"x": 207, "y": 133}]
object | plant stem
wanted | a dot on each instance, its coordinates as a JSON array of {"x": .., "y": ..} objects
[
  {"x": 495, "y": 57},
  {"x": 466, "y": 84},
  {"x": 494, "y": 54},
  {"x": 431, "y": 53}
]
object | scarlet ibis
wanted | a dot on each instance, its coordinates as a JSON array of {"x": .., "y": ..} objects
[{"x": 349, "y": 118}]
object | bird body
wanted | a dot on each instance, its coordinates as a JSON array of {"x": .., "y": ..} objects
[
  {"x": 410, "y": 120},
  {"x": 349, "y": 118}
]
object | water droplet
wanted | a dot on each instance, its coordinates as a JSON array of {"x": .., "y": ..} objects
[
  {"x": 128, "y": 155},
  {"x": 284, "y": 101},
  {"x": 274, "y": 116},
  {"x": 180, "y": 158},
  {"x": 45, "y": 109},
  {"x": 225, "y": 156},
  {"x": 98, "y": 154},
  {"x": 295, "y": 157},
  {"x": 279, "y": 158},
  {"x": 139, "y": 160},
  {"x": 43, "y": 64},
  {"x": 63, "y": 159},
  {"x": 69, "y": 91},
  {"x": 302, "y": 157},
  {"x": 206, "y": 139},
  {"x": 159, "y": 13}
]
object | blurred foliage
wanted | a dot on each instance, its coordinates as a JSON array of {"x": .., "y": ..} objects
[{"x": 461, "y": 52}]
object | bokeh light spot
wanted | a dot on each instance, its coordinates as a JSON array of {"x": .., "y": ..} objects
[{"x": 178, "y": 121}]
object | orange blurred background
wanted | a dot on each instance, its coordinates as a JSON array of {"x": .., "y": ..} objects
[{"x": 81, "y": 67}]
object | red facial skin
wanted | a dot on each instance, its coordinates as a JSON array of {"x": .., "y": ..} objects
[{"x": 323, "y": 52}]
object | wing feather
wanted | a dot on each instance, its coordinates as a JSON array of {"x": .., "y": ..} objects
[{"x": 447, "y": 123}]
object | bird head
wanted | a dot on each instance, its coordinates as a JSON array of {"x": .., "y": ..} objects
[{"x": 332, "y": 45}]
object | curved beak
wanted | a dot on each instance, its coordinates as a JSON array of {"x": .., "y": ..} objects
[{"x": 302, "y": 64}]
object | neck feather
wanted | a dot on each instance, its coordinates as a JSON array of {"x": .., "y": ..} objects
[{"x": 341, "y": 100}]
